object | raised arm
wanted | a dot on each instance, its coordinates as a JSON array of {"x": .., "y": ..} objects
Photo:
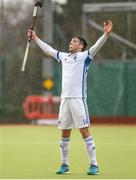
[
  {"x": 99, "y": 43},
  {"x": 45, "y": 47}
]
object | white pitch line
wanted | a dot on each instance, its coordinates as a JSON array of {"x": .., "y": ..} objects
[
  {"x": 76, "y": 143},
  {"x": 25, "y": 142}
]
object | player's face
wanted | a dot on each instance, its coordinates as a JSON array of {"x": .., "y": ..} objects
[{"x": 75, "y": 45}]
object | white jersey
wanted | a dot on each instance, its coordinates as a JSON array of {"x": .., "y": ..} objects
[
  {"x": 74, "y": 73},
  {"x": 74, "y": 67}
]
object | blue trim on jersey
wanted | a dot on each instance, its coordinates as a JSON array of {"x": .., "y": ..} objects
[
  {"x": 85, "y": 70},
  {"x": 58, "y": 57},
  {"x": 88, "y": 53}
]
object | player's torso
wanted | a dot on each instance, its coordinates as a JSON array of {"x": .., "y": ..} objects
[
  {"x": 72, "y": 64},
  {"x": 73, "y": 69}
]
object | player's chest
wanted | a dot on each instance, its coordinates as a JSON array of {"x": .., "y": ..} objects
[{"x": 72, "y": 59}]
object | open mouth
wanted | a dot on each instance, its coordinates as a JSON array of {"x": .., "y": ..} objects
[{"x": 70, "y": 46}]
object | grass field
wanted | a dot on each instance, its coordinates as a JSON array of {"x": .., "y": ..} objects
[{"x": 32, "y": 152}]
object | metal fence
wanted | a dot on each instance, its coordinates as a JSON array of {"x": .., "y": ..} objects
[{"x": 111, "y": 90}]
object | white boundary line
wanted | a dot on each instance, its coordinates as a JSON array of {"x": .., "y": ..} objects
[{"x": 76, "y": 143}]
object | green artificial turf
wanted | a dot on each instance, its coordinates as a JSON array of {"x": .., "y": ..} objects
[{"x": 32, "y": 152}]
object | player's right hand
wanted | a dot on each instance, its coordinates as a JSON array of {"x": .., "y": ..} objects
[{"x": 32, "y": 34}]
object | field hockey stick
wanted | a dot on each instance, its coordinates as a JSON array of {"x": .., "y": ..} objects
[{"x": 35, "y": 11}]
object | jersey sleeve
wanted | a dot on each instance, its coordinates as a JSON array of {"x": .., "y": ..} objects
[
  {"x": 47, "y": 49},
  {"x": 86, "y": 54},
  {"x": 61, "y": 56},
  {"x": 97, "y": 46}
]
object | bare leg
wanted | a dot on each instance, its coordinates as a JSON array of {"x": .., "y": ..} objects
[
  {"x": 65, "y": 133},
  {"x": 85, "y": 132}
]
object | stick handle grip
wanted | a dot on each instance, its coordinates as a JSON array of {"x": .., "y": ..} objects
[
  {"x": 25, "y": 56},
  {"x": 35, "y": 10}
]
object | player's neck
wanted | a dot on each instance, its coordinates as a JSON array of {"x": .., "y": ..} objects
[{"x": 75, "y": 51}]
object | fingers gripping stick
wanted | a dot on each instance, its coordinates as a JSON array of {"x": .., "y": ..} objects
[{"x": 35, "y": 10}]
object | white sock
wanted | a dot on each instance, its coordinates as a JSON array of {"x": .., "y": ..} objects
[
  {"x": 64, "y": 150},
  {"x": 90, "y": 147}
]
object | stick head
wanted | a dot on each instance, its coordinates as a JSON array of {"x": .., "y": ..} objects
[{"x": 39, "y": 3}]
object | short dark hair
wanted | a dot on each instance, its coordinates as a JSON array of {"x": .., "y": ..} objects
[{"x": 83, "y": 41}]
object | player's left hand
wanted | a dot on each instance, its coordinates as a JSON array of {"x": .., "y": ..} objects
[{"x": 108, "y": 27}]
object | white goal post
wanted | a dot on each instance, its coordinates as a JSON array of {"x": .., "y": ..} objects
[
  {"x": 109, "y": 7},
  {"x": 114, "y": 7}
]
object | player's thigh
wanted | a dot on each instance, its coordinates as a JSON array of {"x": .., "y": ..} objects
[
  {"x": 65, "y": 118},
  {"x": 80, "y": 113}
]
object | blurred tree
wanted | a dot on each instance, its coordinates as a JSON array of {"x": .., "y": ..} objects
[{"x": 16, "y": 20}]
